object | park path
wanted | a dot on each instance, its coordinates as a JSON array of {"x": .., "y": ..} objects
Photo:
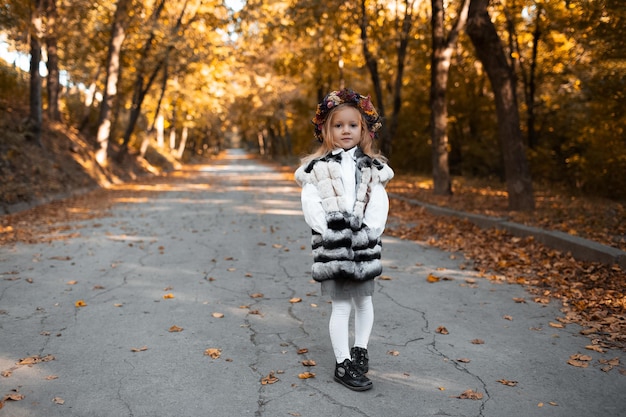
[{"x": 224, "y": 256}]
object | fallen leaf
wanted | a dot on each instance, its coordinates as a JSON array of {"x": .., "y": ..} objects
[
  {"x": 80, "y": 303},
  {"x": 442, "y": 330},
  {"x": 432, "y": 278},
  {"x": 464, "y": 360},
  {"x": 309, "y": 362},
  {"x": 393, "y": 353},
  {"x": 218, "y": 315},
  {"x": 577, "y": 363},
  {"x": 31, "y": 360},
  {"x": 295, "y": 300},
  {"x": 58, "y": 400},
  {"x": 507, "y": 382},
  {"x": 478, "y": 342},
  {"x": 519, "y": 300},
  {"x": 507, "y": 317},
  {"x": 385, "y": 278},
  {"x": 306, "y": 375},
  {"x": 256, "y": 295},
  {"x": 269, "y": 379},
  {"x": 141, "y": 349},
  {"x": 51, "y": 377},
  {"x": 214, "y": 353},
  {"x": 595, "y": 348},
  {"x": 302, "y": 351},
  {"x": 13, "y": 397},
  {"x": 556, "y": 325},
  {"x": 175, "y": 329},
  {"x": 72, "y": 282},
  {"x": 470, "y": 395},
  {"x": 6, "y": 373}
]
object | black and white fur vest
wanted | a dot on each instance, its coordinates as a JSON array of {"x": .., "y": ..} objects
[{"x": 348, "y": 249}]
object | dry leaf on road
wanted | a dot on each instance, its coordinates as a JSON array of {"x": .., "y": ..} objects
[
  {"x": 470, "y": 395},
  {"x": 214, "y": 353}
]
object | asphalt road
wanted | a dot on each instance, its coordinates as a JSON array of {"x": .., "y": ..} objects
[{"x": 225, "y": 258}]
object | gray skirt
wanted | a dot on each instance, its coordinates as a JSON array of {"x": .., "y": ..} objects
[{"x": 342, "y": 289}]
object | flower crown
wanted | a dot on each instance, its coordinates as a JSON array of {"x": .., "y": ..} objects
[{"x": 351, "y": 97}]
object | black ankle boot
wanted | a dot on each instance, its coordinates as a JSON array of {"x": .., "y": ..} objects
[
  {"x": 349, "y": 375},
  {"x": 360, "y": 358}
]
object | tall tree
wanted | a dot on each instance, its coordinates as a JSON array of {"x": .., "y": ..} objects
[
  {"x": 490, "y": 52},
  {"x": 404, "y": 19},
  {"x": 118, "y": 34},
  {"x": 36, "y": 112},
  {"x": 441, "y": 56},
  {"x": 144, "y": 81},
  {"x": 53, "y": 85}
]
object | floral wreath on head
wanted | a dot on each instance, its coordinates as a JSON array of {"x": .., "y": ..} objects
[{"x": 346, "y": 96}]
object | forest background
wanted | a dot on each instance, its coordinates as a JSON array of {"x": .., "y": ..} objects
[
  {"x": 507, "y": 108},
  {"x": 189, "y": 74}
]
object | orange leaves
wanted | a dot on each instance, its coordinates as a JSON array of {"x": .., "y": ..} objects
[
  {"x": 214, "y": 353},
  {"x": 13, "y": 396},
  {"x": 580, "y": 361},
  {"x": 31, "y": 360},
  {"x": 594, "y": 294},
  {"x": 168, "y": 296},
  {"x": 271, "y": 378},
  {"x": 175, "y": 329},
  {"x": 442, "y": 330},
  {"x": 432, "y": 278},
  {"x": 306, "y": 375},
  {"x": 139, "y": 349},
  {"x": 27, "y": 361},
  {"x": 507, "y": 382},
  {"x": 80, "y": 303},
  {"x": 470, "y": 395}
]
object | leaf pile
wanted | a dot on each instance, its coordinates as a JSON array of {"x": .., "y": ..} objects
[
  {"x": 592, "y": 295},
  {"x": 597, "y": 219}
]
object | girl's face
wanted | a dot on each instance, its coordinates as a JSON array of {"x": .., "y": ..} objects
[{"x": 345, "y": 127}]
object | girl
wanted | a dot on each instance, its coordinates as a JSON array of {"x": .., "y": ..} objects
[{"x": 345, "y": 203}]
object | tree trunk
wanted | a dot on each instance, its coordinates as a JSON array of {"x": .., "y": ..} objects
[
  {"x": 372, "y": 66},
  {"x": 142, "y": 86},
  {"x": 440, "y": 68},
  {"x": 118, "y": 34},
  {"x": 35, "y": 119},
  {"x": 53, "y": 85},
  {"x": 403, "y": 44},
  {"x": 490, "y": 52},
  {"x": 183, "y": 142}
]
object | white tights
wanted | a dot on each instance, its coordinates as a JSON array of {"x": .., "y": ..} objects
[{"x": 339, "y": 324}]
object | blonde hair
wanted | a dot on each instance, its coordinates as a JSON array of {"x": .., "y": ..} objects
[{"x": 366, "y": 143}]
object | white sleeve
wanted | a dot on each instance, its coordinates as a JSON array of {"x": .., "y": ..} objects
[
  {"x": 312, "y": 208},
  {"x": 377, "y": 209}
]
